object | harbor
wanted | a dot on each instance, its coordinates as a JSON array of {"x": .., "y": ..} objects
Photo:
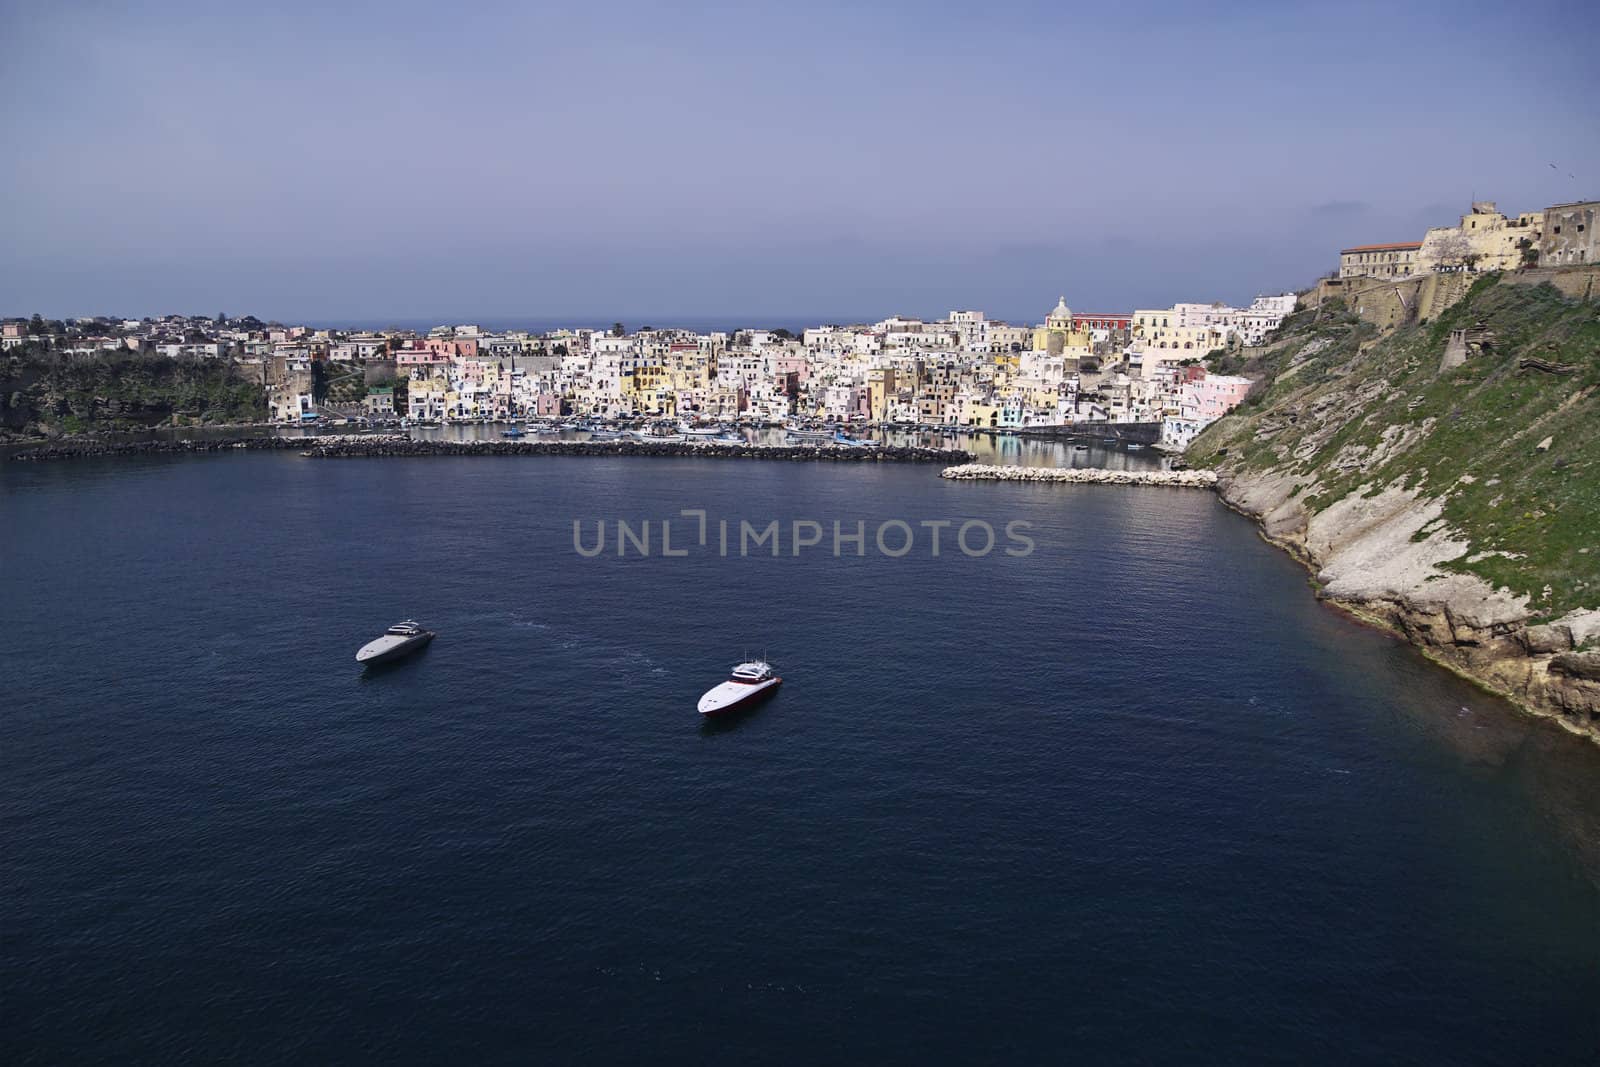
[{"x": 538, "y": 781}]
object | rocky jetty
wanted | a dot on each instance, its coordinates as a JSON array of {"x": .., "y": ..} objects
[
  {"x": 361, "y": 447},
  {"x": 87, "y": 449},
  {"x": 1080, "y": 476}
]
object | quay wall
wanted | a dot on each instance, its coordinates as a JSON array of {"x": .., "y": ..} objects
[
  {"x": 1130, "y": 433},
  {"x": 372, "y": 447}
]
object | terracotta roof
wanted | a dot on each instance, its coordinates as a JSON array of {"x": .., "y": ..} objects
[{"x": 1398, "y": 247}]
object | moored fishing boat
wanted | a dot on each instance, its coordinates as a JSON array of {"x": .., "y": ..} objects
[
  {"x": 689, "y": 429},
  {"x": 656, "y": 435},
  {"x": 800, "y": 433}
]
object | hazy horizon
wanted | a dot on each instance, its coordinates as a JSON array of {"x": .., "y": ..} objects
[{"x": 755, "y": 161}]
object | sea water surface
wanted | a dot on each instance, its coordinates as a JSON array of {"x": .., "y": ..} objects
[{"x": 1133, "y": 797}]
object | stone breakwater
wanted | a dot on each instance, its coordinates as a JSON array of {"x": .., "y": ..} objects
[
  {"x": 1081, "y": 476},
  {"x": 360, "y": 447},
  {"x": 90, "y": 449}
]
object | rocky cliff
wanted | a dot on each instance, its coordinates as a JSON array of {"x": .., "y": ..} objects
[
  {"x": 50, "y": 395},
  {"x": 1440, "y": 478}
]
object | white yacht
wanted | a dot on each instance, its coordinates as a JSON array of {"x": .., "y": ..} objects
[
  {"x": 401, "y": 639},
  {"x": 749, "y": 682}
]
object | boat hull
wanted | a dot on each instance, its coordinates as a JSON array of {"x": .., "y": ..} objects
[
  {"x": 730, "y": 697},
  {"x": 379, "y": 651}
]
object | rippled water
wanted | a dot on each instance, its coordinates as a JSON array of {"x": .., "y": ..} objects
[{"x": 1134, "y": 797}]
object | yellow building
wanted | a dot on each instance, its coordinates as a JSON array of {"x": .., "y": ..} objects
[
  {"x": 982, "y": 413},
  {"x": 1007, "y": 362},
  {"x": 1057, "y": 332},
  {"x": 1158, "y": 342},
  {"x": 643, "y": 387},
  {"x": 1485, "y": 240},
  {"x": 880, "y": 391}
]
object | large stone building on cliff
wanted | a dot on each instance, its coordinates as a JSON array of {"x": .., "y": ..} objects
[
  {"x": 1379, "y": 261},
  {"x": 1569, "y": 235},
  {"x": 1485, "y": 239}
]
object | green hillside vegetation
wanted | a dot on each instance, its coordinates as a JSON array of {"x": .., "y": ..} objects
[
  {"x": 339, "y": 384},
  {"x": 1347, "y": 411},
  {"x": 49, "y": 396}
]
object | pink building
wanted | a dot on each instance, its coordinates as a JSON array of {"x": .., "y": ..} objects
[
  {"x": 414, "y": 355},
  {"x": 453, "y": 347},
  {"x": 786, "y": 365},
  {"x": 1212, "y": 396}
]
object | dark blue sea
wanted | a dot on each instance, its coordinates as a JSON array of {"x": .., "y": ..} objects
[{"x": 1134, "y": 797}]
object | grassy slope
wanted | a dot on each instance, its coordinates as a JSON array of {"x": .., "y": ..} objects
[{"x": 1469, "y": 434}]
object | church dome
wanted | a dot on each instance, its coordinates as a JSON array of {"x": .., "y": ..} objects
[{"x": 1061, "y": 313}]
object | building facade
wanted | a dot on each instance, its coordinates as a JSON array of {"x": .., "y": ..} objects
[
  {"x": 1569, "y": 235},
  {"x": 1397, "y": 260}
]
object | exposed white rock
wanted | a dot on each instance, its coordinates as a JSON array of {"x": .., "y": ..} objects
[
  {"x": 1584, "y": 624},
  {"x": 1369, "y": 551}
]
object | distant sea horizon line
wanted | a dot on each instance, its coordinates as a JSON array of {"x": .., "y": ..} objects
[{"x": 546, "y": 323}]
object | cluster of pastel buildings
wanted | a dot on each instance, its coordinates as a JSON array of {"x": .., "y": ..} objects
[{"x": 965, "y": 370}]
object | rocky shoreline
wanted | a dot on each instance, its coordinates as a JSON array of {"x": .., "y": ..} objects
[
  {"x": 1185, "y": 479},
  {"x": 1359, "y": 556},
  {"x": 399, "y": 445}
]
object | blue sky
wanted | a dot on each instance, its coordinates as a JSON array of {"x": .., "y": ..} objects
[{"x": 783, "y": 160}]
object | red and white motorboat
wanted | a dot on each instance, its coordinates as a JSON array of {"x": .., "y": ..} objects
[{"x": 749, "y": 683}]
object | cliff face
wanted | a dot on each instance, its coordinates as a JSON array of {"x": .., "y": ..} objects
[
  {"x": 1441, "y": 479},
  {"x": 48, "y": 395}
]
